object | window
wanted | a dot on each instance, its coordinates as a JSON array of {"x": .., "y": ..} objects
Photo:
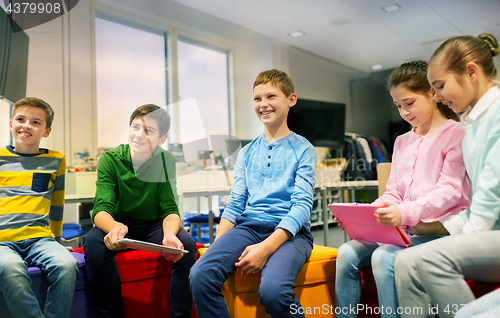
[
  {"x": 4, "y": 118},
  {"x": 203, "y": 75},
  {"x": 130, "y": 72}
]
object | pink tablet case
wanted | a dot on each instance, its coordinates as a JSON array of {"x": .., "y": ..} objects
[{"x": 360, "y": 223}]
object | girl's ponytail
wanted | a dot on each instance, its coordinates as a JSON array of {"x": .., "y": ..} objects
[{"x": 492, "y": 43}]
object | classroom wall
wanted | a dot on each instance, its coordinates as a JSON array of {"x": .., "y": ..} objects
[
  {"x": 60, "y": 70},
  {"x": 249, "y": 60},
  {"x": 372, "y": 108},
  {"x": 320, "y": 79},
  {"x": 45, "y": 75}
]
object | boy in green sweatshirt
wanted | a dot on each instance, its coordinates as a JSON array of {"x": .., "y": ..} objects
[{"x": 136, "y": 198}]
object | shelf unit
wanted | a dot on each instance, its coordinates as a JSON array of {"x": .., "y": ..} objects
[{"x": 317, "y": 209}]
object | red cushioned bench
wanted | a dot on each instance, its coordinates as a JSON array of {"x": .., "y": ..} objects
[{"x": 145, "y": 278}]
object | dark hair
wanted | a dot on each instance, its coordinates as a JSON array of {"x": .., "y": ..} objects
[
  {"x": 457, "y": 51},
  {"x": 413, "y": 75},
  {"x": 156, "y": 112},
  {"x": 38, "y": 103},
  {"x": 277, "y": 78}
]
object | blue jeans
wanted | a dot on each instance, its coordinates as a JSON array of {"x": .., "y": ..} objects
[
  {"x": 354, "y": 256},
  {"x": 52, "y": 258},
  {"x": 104, "y": 277},
  {"x": 277, "y": 277}
]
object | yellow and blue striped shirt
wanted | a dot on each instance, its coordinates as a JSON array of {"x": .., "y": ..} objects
[{"x": 31, "y": 194}]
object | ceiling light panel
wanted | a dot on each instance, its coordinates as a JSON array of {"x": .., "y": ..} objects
[
  {"x": 296, "y": 34},
  {"x": 391, "y": 8}
]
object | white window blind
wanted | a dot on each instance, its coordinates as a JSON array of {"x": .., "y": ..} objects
[
  {"x": 4, "y": 119},
  {"x": 130, "y": 72},
  {"x": 203, "y": 75}
]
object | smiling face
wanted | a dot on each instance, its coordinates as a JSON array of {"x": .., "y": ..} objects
[
  {"x": 454, "y": 91},
  {"x": 271, "y": 105},
  {"x": 143, "y": 138},
  {"x": 28, "y": 127},
  {"x": 416, "y": 108}
]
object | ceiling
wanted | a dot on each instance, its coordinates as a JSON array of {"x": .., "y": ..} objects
[{"x": 359, "y": 33}]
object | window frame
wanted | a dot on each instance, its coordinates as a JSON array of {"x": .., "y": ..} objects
[{"x": 8, "y": 104}]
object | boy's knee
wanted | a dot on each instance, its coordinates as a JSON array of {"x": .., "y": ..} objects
[
  {"x": 65, "y": 267},
  {"x": 198, "y": 282},
  {"x": 196, "y": 275},
  {"x": 10, "y": 267},
  {"x": 94, "y": 246},
  {"x": 69, "y": 264},
  {"x": 273, "y": 295},
  {"x": 269, "y": 293},
  {"x": 203, "y": 277},
  {"x": 93, "y": 236}
]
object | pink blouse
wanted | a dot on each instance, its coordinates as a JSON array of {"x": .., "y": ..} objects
[{"x": 428, "y": 178}]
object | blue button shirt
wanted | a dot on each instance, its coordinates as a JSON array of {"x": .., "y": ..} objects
[{"x": 277, "y": 188}]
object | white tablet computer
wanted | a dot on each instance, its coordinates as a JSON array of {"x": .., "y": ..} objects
[{"x": 151, "y": 247}]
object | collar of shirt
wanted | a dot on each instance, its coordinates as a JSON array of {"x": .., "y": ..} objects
[{"x": 481, "y": 107}]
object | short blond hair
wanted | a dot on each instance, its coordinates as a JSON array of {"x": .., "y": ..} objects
[
  {"x": 277, "y": 78},
  {"x": 38, "y": 103}
]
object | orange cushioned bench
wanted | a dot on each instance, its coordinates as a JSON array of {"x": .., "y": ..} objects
[{"x": 314, "y": 287}]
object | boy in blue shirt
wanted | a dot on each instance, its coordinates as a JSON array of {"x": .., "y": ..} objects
[
  {"x": 31, "y": 213},
  {"x": 265, "y": 226}
]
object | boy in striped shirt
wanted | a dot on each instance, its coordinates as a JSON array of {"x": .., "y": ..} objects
[{"x": 31, "y": 213}]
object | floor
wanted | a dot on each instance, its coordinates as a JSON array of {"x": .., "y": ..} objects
[{"x": 335, "y": 236}]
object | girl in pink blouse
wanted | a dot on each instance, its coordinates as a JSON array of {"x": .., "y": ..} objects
[{"x": 427, "y": 182}]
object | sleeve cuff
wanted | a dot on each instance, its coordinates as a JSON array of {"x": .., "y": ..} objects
[
  {"x": 229, "y": 216},
  {"x": 406, "y": 218},
  {"x": 288, "y": 225},
  {"x": 477, "y": 224},
  {"x": 453, "y": 224}
]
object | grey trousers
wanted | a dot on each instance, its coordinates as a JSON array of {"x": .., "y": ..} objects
[{"x": 430, "y": 278}]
